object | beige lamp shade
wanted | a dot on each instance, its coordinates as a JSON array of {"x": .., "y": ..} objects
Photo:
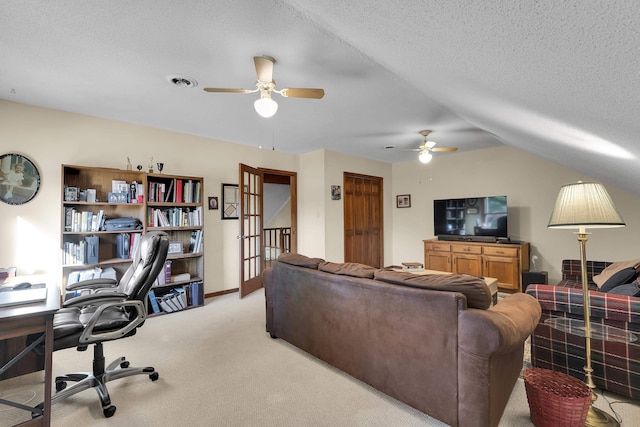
[{"x": 584, "y": 205}]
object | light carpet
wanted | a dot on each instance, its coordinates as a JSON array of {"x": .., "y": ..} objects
[{"x": 218, "y": 367}]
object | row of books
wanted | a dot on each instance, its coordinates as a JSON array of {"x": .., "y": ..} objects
[
  {"x": 175, "y": 191},
  {"x": 177, "y": 298},
  {"x": 83, "y": 221},
  {"x": 74, "y": 253},
  {"x": 175, "y": 217}
]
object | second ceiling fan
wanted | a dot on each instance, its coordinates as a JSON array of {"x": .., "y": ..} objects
[
  {"x": 426, "y": 148},
  {"x": 266, "y": 106}
]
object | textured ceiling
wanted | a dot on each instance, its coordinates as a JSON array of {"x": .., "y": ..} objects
[{"x": 558, "y": 79}]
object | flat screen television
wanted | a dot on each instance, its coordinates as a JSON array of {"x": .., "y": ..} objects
[{"x": 482, "y": 219}]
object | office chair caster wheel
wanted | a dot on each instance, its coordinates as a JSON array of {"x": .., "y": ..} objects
[
  {"x": 61, "y": 385},
  {"x": 109, "y": 411},
  {"x": 154, "y": 376},
  {"x": 124, "y": 365}
]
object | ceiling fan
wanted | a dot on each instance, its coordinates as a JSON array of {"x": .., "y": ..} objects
[
  {"x": 426, "y": 148},
  {"x": 266, "y": 106}
]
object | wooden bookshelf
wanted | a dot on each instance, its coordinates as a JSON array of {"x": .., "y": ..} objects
[{"x": 82, "y": 221}]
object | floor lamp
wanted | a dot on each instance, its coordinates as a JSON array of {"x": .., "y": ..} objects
[{"x": 580, "y": 206}]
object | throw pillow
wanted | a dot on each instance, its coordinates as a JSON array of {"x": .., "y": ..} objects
[
  {"x": 629, "y": 289},
  {"x": 612, "y": 269},
  {"x": 623, "y": 276}
]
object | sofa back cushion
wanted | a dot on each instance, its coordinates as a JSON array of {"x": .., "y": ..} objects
[
  {"x": 473, "y": 288},
  {"x": 353, "y": 269},
  {"x": 300, "y": 260}
]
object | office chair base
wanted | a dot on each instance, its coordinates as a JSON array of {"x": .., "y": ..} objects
[{"x": 98, "y": 379}]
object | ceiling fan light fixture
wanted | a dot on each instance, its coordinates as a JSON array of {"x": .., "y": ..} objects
[
  {"x": 425, "y": 156},
  {"x": 265, "y": 106}
]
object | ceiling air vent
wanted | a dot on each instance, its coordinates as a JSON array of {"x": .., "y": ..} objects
[{"x": 181, "y": 80}]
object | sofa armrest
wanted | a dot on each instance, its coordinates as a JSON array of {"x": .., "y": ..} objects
[
  {"x": 570, "y": 300},
  {"x": 500, "y": 329}
]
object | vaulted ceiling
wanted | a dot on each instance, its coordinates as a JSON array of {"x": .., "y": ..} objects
[{"x": 559, "y": 79}]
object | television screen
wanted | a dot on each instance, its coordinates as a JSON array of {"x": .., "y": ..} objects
[{"x": 479, "y": 218}]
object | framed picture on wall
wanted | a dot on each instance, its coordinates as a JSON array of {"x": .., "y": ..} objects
[
  {"x": 19, "y": 179},
  {"x": 230, "y": 201},
  {"x": 213, "y": 203},
  {"x": 403, "y": 201},
  {"x": 336, "y": 194}
]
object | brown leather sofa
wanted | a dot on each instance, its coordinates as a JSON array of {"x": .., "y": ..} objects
[{"x": 433, "y": 342}]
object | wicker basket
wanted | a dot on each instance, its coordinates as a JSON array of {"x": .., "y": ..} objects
[{"x": 556, "y": 399}]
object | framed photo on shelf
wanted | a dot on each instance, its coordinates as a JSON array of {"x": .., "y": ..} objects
[
  {"x": 230, "y": 201},
  {"x": 175, "y": 247},
  {"x": 403, "y": 201},
  {"x": 117, "y": 197}
]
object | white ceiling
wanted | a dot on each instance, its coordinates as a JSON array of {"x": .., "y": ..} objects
[{"x": 559, "y": 79}]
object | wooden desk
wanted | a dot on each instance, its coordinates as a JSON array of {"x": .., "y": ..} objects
[{"x": 22, "y": 320}]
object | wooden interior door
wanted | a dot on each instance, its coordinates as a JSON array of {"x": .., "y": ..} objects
[
  {"x": 363, "y": 219},
  {"x": 251, "y": 225}
]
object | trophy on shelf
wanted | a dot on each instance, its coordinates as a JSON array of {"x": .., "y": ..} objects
[{"x": 160, "y": 167}]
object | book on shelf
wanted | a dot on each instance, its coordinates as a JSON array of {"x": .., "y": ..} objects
[
  {"x": 154, "y": 302},
  {"x": 135, "y": 241},
  {"x": 195, "y": 293},
  {"x": 179, "y": 297},
  {"x": 195, "y": 241},
  {"x": 169, "y": 194},
  {"x": 167, "y": 271},
  {"x": 182, "y": 277},
  {"x": 164, "y": 304}
]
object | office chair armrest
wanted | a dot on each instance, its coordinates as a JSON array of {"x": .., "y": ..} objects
[
  {"x": 93, "y": 284},
  {"x": 94, "y": 299},
  {"x": 88, "y": 336}
]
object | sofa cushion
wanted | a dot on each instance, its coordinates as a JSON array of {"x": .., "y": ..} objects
[
  {"x": 348, "y": 269},
  {"x": 300, "y": 260},
  {"x": 612, "y": 269},
  {"x": 629, "y": 289},
  {"x": 621, "y": 277},
  {"x": 473, "y": 288}
]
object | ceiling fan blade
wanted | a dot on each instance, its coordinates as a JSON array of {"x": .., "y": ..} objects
[
  {"x": 298, "y": 92},
  {"x": 264, "y": 68},
  {"x": 394, "y": 148},
  {"x": 217, "y": 89},
  {"x": 445, "y": 149}
]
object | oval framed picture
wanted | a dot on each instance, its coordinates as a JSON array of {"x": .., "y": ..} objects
[{"x": 19, "y": 179}]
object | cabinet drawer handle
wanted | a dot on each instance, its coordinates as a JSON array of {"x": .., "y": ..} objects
[{"x": 499, "y": 252}]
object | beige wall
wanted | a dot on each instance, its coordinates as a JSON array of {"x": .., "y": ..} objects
[
  {"x": 31, "y": 232},
  {"x": 335, "y": 166},
  {"x": 531, "y": 185},
  {"x": 311, "y": 205}
]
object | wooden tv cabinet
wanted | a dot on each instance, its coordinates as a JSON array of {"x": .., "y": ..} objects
[{"x": 504, "y": 261}]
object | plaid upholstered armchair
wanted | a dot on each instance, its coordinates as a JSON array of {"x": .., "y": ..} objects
[{"x": 616, "y": 365}]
